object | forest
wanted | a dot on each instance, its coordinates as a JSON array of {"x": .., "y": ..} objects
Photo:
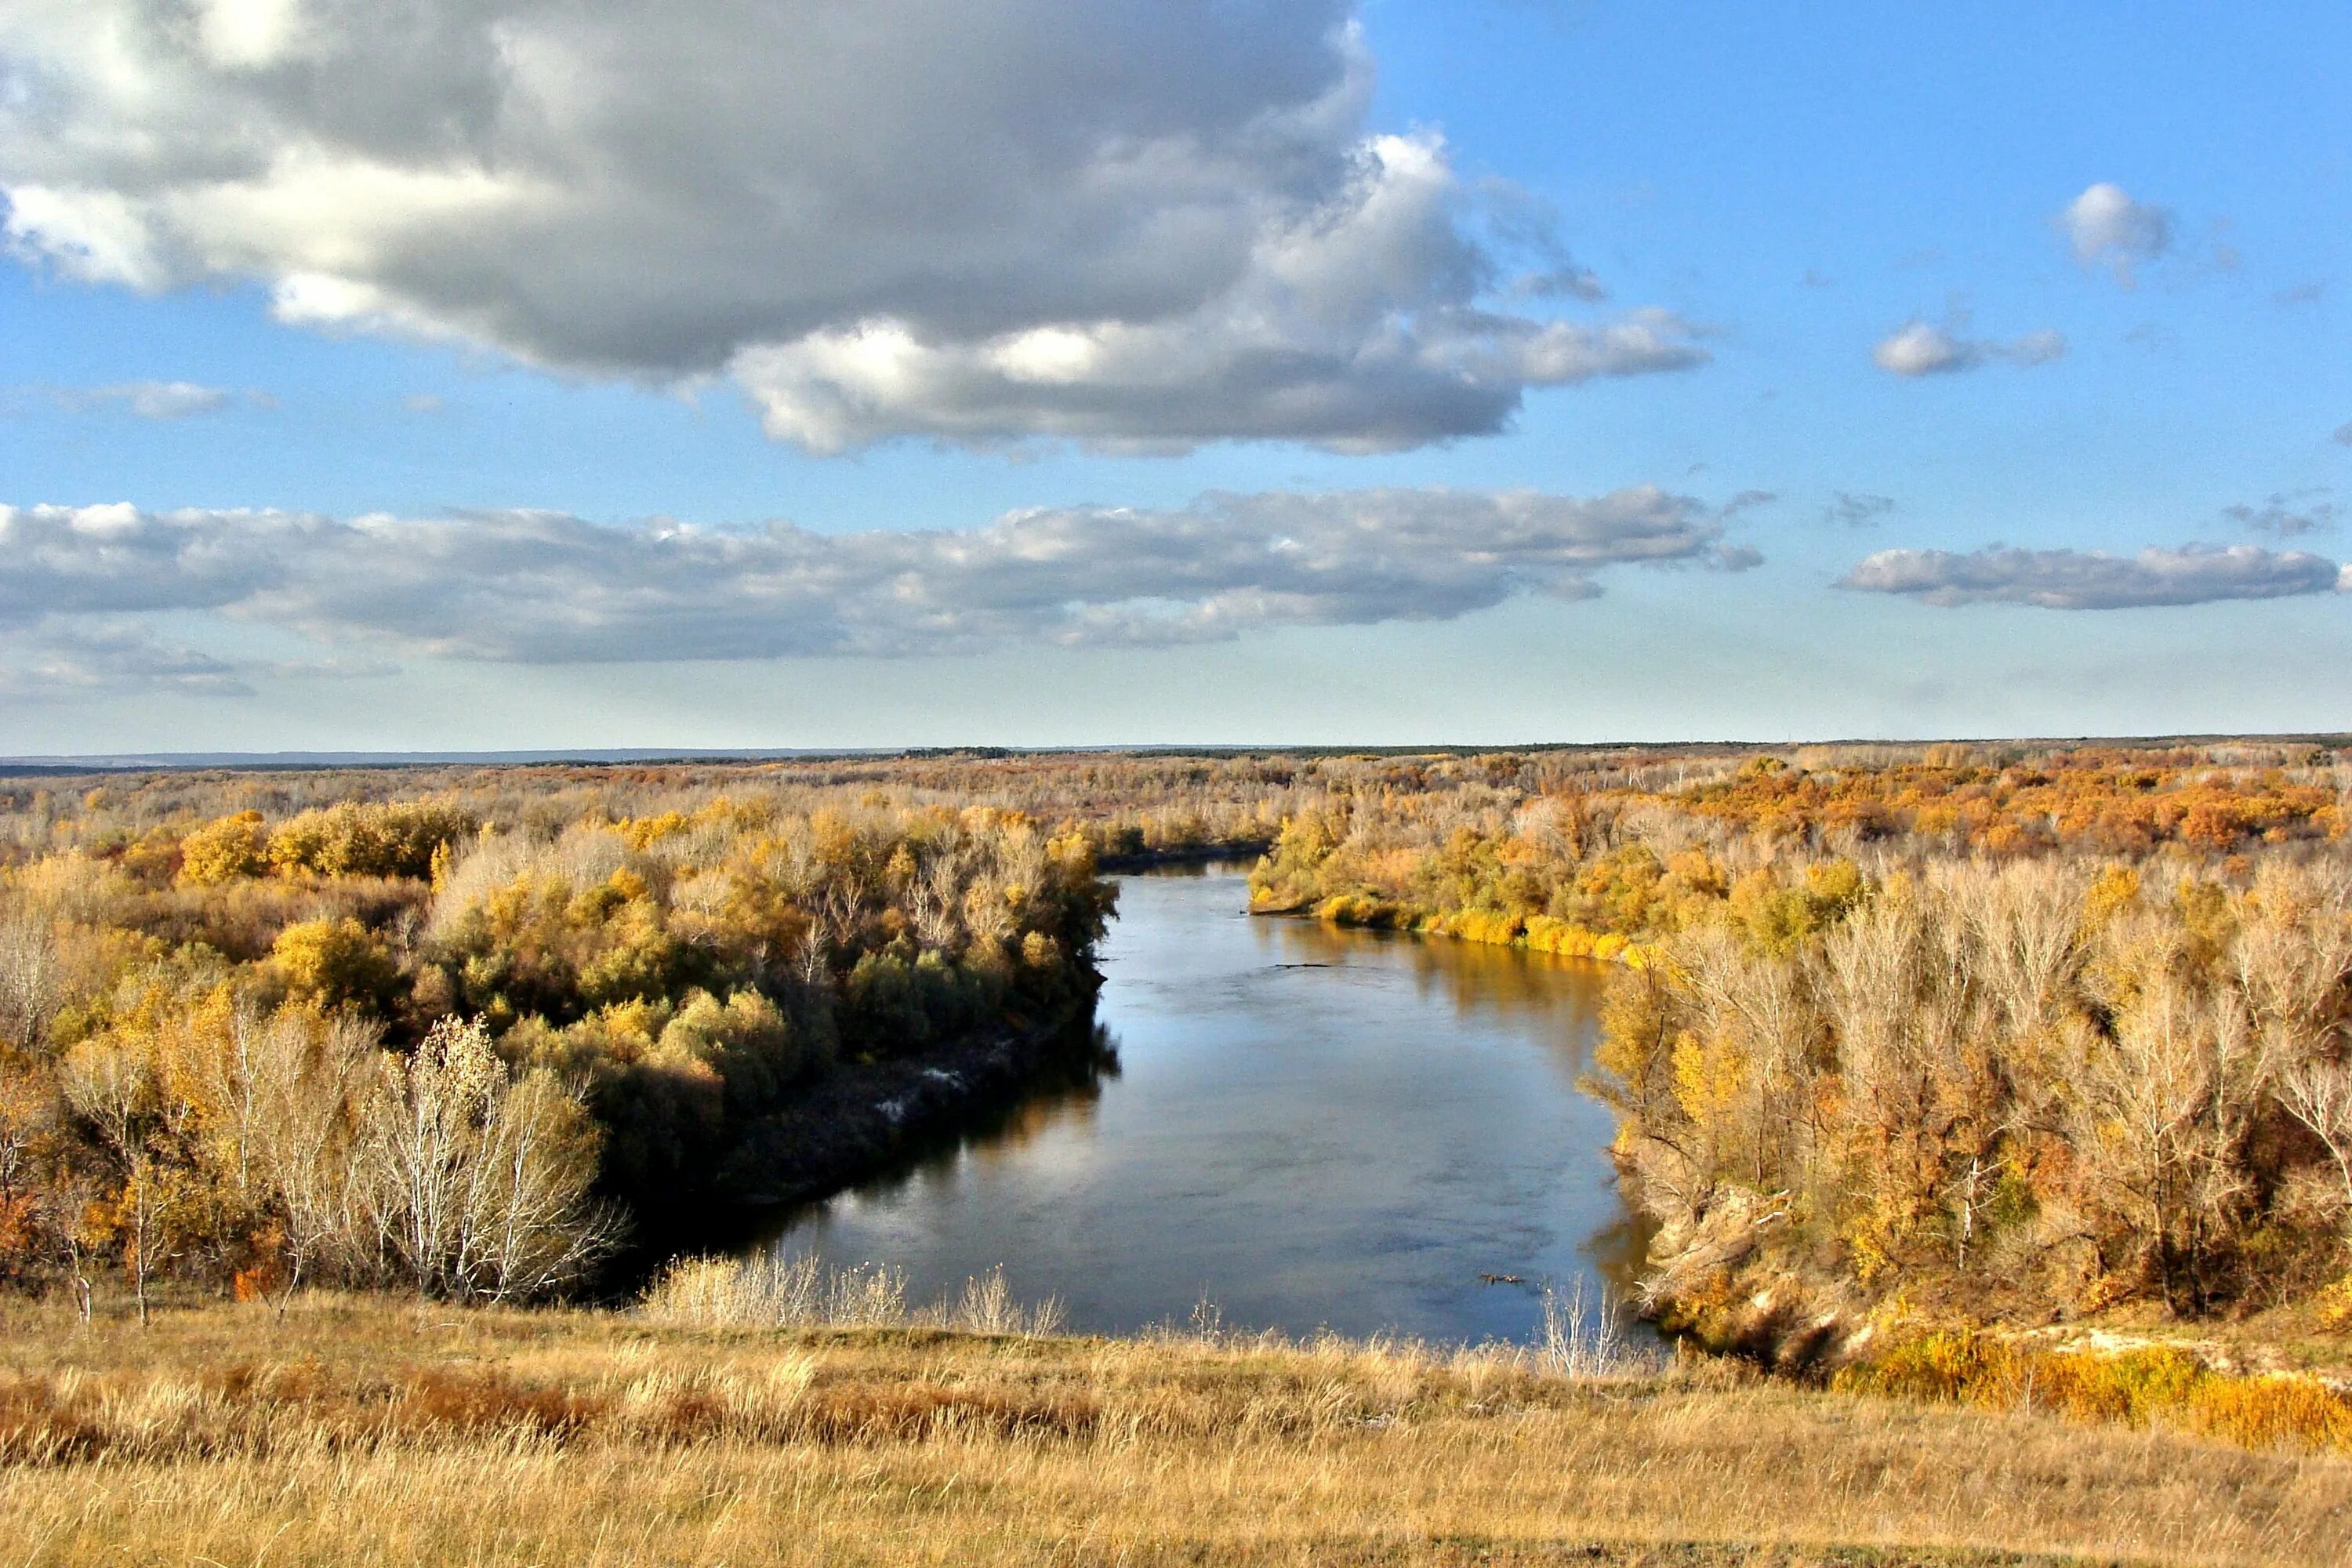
[
  {"x": 2023, "y": 1030},
  {"x": 470, "y": 1035},
  {"x": 2022, "y": 1033}
]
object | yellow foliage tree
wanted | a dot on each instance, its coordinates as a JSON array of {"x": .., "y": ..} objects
[{"x": 224, "y": 851}]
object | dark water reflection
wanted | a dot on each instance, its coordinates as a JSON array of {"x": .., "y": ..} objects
[{"x": 1308, "y": 1127}]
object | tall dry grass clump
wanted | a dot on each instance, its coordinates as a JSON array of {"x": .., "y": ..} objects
[{"x": 773, "y": 1290}]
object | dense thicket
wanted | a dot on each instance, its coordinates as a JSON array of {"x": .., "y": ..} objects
[
  {"x": 2022, "y": 1032},
  {"x": 420, "y": 1040},
  {"x": 2031, "y": 1086}
]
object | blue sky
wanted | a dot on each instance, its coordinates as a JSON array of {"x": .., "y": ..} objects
[{"x": 406, "y": 467}]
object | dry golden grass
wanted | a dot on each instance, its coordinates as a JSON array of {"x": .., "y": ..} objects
[{"x": 352, "y": 1430}]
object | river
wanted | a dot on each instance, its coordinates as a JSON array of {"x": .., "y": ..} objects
[{"x": 1305, "y": 1128}]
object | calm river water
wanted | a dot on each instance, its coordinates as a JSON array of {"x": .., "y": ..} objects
[{"x": 1306, "y": 1127}]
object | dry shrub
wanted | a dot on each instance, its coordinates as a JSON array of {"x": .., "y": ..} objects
[
  {"x": 2334, "y": 1304},
  {"x": 456, "y": 1401},
  {"x": 2149, "y": 1386}
]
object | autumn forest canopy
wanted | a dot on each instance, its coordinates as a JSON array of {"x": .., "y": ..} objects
[{"x": 2020, "y": 1029}]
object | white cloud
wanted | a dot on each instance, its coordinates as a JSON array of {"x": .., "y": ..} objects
[
  {"x": 543, "y": 587},
  {"x": 971, "y": 220},
  {"x": 1918, "y": 348},
  {"x": 1921, "y": 348},
  {"x": 153, "y": 399},
  {"x": 247, "y": 35},
  {"x": 2092, "y": 579},
  {"x": 2040, "y": 346},
  {"x": 2108, "y": 228},
  {"x": 56, "y": 663}
]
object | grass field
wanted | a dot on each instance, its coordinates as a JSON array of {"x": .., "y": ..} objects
[{"x": 351, "y": 1430}]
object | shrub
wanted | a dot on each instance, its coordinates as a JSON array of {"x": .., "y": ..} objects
[
  {"x": 335, "y": 962},
  {"x": 225, "y": 851}
]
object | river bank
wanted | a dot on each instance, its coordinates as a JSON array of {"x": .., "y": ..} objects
[
  {"x": 1126, "y": 862},
  {"x": 860, "y": 1123},
  {"x": 1536, "y": 933},
  {"x": 862, "y": 1119}
]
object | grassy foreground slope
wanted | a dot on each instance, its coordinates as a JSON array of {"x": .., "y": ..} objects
[{"x": 367, "y": 1430}]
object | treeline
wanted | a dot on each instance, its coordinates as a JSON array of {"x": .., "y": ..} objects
[
  {"x": 443, "y": 1042},
  {"x": 1563, "y": 864},
  {"x": 1130, "y": 805},
  {"x": 2001, "y": 798},
  {"x": 2014, "y": 1032}
]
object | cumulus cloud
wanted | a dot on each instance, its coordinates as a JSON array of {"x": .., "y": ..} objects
[
  {"x": 1921, "y": 348},
  {"x": 1917, "y": 348},
  {"x": 544, "y": 588},
  {"x": 2108, "y": 228},
  {"x": 971, "y": 220},
  {"x": 2287, "y": 512},
  {"x": 2092, "y": 579},
  {"x": 1857, "y": 508}
]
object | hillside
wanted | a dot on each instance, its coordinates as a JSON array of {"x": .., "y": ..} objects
[{"x": 362, "y": 1430}]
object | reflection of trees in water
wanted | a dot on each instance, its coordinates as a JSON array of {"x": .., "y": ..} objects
[
  {"x": 1556, "y": 999},
  {"x": 1071, "y": 1096},
  {"x": 1066, "y": 1090},
  {"x": 1618, "y": 1251}
]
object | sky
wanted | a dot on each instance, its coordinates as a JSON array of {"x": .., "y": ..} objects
[{"x": 452, "y": 375}]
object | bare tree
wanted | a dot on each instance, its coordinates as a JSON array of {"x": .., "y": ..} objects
[
  {"x": 2318, "y": 1093},
  {"x": 110, "y": 1083},
  {"x": 478, "y": 1185},
  {"x": 306, "y": 1073},
  {"x": 2166, "y": 1105},
  {"x": 29, "y": 984}
]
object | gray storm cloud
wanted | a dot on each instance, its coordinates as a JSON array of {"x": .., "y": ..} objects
[
  {"x": 543, "y": 587},
  {"x": 1137, "y": 223},
  {"x": 2095, "y": 580}
]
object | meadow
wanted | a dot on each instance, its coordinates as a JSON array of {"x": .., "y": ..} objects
[{"x": 357, "y": 1429}]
